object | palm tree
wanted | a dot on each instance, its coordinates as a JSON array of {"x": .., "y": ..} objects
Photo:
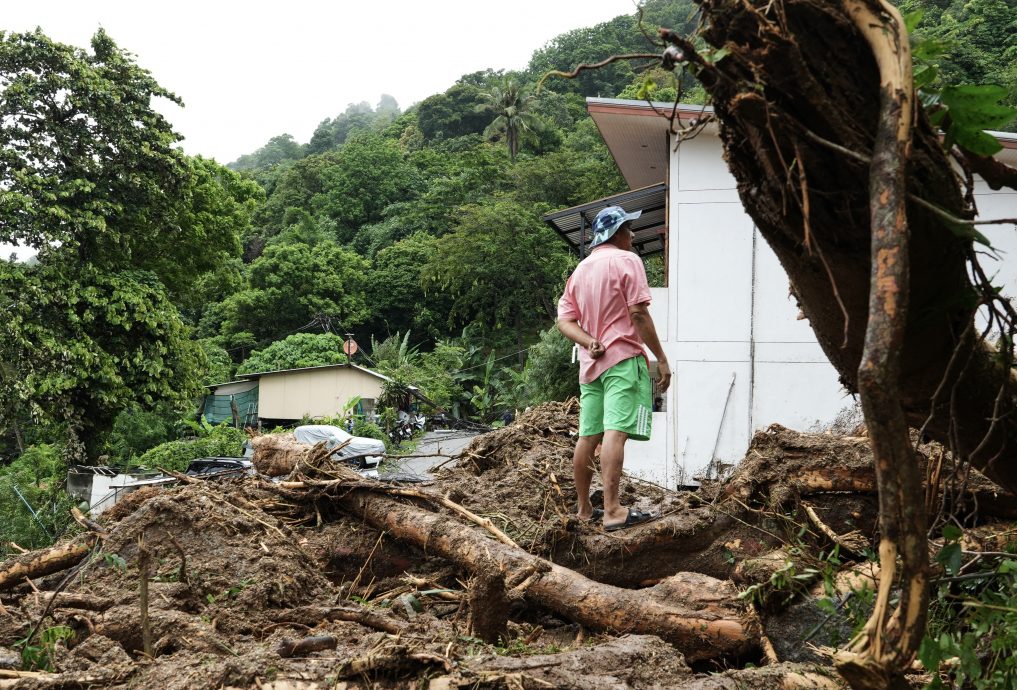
[{"x": 511, "y": 104}]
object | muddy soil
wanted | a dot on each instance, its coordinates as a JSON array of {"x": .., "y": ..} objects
[{"x": 238, "y": 569}]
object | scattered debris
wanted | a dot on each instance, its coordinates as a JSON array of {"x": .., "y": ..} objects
[{"x": 483, "y": 577}]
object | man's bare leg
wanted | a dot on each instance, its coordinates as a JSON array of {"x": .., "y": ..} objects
[
  {"x": 582, "y": 471},
  {"x": 612, "y": 456}
]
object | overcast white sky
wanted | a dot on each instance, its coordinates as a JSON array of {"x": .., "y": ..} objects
[{"x": 248, "y": 71}]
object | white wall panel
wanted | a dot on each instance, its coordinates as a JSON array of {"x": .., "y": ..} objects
[
  {"x": 648, "y": 460},
  {"x": 776, "y": 312},
  {"x": 713, "y": 290},
  {"x": 701, "y": 165},
  {"x": 700, "y": 415},
  {"x": 800, "y": 395},
  {"x": 1002, "y": 204}
]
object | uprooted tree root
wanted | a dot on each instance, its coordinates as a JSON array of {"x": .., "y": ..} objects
[{"x": 327, "y": 579}]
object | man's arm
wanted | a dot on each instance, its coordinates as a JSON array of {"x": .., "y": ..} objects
[
  {"x": 571, "y": 329},
  {"x": 641, "y": 319}
]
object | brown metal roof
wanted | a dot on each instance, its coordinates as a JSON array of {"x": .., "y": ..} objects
[{"x": 573, "y": 224}]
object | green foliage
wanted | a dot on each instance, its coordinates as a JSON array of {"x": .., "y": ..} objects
[
  {"x": 40, "y": 656},
  {"x": 291, "y": 284},
  {"x": 972, "y": 628},
  {"x": 580, "y": 170},
  {"x": 550, "y": 373},
  {"x": 87, "y": 345},
  {"x": 220, "y": 367},
  {"x": 296, "y": 185},
  {"x": 135, "y": 430},
  {"x": 123, "y": 221},
  {"x": 480, "y": 265},
  {"x": 362, "y": 427},
  {"x": 452, "y": 114},
  {"x": 965, "y": 66},
  {"x": 370, "y": 173},
  {"x": 358, "y": 117},
  {"x": 396, "y": 295},
  {"x": 971, "y": 109},
  {"x": 510, "y": 103},
  {"x": 794, "y": 577},
  {"x": 615, "y": 37},
  {"x": 222, "y": 440},
  {"x": 296, "y": 351},
  {"x": 38, "y": 475},
  {"x": 69, "y": 176},
  {"x": 279, "y": 149}
]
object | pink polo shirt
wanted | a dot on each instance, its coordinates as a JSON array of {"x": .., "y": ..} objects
[{"x": 598, "y": 295}]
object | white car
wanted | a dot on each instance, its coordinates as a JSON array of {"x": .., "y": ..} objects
[{"x": 368, "y": 452}]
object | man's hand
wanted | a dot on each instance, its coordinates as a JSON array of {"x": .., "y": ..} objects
[
  {"x": 595, "y": 349},
  {"x": 663, "y": 376}
]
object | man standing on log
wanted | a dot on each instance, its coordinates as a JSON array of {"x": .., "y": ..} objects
[{"x": 605, "y": 311}]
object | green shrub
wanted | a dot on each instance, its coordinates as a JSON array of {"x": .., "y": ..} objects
[
  {"x": 222, "y": 440},
  {"x": 362, "y": 427}
]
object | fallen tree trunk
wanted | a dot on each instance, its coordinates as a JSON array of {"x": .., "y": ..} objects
[
  {"x": 701, "y": 628},
  {"x": 45, "y": 561}
]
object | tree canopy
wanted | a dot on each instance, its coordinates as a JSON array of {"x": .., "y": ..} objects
[
  {"x": 123, "y": 222},
  {"x": 296, "y": 351}
]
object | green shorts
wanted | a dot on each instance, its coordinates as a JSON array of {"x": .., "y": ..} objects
[{"x": 620, "y": 400}]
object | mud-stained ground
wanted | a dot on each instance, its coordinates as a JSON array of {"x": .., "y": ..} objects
[{"x": 240, "y": 573}]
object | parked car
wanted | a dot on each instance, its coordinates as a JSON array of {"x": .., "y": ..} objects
[
  {"x": 227, "y": 466},
  {"x": 364, "y": 453}
]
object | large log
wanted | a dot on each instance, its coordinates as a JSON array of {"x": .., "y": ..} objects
[
  {"x": 45, "y": 561},
  {"x": 703, "y": 619},
  {"x": 275, "y": 455}
]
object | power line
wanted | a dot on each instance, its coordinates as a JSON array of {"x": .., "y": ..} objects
[
  {"x": 271, "y": 338},
  {"x": 497, "y": 359}
]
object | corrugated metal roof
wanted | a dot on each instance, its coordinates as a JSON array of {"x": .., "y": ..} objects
[
  {"x": 259, "y": 374},
  {"x": 573, "y": 224}
]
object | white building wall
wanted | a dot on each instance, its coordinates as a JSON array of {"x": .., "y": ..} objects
[
  {"x": 1001, "y": 204},
  {"x": 741, "y": 360}
]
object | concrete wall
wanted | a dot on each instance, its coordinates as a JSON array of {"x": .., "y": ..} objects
[{"x": 313, "y": 392}]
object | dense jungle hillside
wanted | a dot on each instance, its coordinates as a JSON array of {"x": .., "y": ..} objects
[{"x": 416, "y": 230}]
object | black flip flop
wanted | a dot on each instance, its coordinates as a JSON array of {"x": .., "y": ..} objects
[
  {"x": 597, "y": 515},
  {"x": 635, "y": 517}
]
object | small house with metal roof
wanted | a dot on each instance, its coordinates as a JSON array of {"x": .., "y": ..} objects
[{"x": 289, "y": 395}]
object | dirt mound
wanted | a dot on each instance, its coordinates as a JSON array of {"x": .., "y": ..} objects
[
  {"x": 241, "y": 569},
  {"x": 226, "y": 549},
  {"x": 520, "y": 477}
]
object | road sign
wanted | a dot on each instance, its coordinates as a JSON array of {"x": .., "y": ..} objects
[{"x": 350, "y": 347}]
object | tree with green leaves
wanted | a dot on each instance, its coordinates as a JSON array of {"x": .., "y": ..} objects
[
  {"x": 503, "y": 268},
  {"x": 452, "y": 114},
  {"x": 396, "y": 295},
  {"x": 89, "y": 343},
  {"x": 296, "y": 351},
  {"x": 291, "y": 285},
  {"x": 123, "y": 221},
  {"x": 513, "y": 121},
  {"x": 279, "y": 150}
]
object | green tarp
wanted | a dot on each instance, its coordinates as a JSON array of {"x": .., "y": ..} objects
[{"x": 218, "y": 409}]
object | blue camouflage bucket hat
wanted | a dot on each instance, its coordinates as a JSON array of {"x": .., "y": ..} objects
[{"x": 607, "y": 222}]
